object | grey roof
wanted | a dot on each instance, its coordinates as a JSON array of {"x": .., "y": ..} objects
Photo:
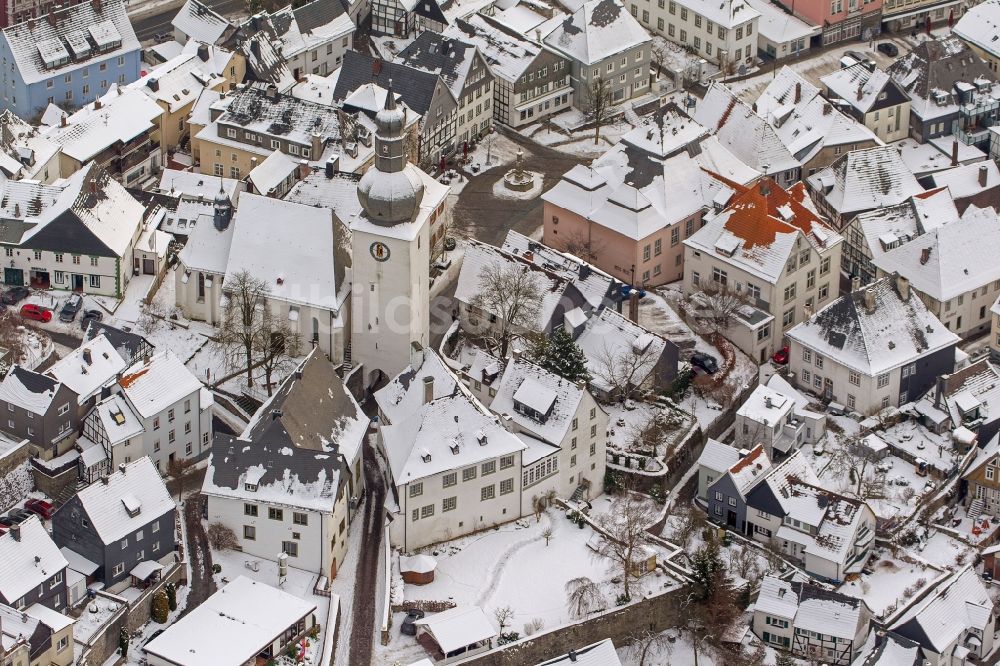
[
  {"x": 317, "y": 13},
  {"x": 129, "y": 345},
  {"x": 449, "y": 58},
  {"x": 415, "y": 87},
  {"x": 430, "y": 10},
  {"x": 937, "y": 64},
  {"x": 33, "y": 381},
  {"x": 282, "y": 115}
]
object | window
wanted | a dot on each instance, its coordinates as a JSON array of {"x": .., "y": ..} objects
[
  {"x": 488, "y": 492},
  {"x": 448, "y": 480},
  {"x": 95, "y": 281},
  {"x": 718, "y": 496},
  {"x": 489, "y": 467},
  {"x": 117, "y": 571},
  {"x": 468, "y": 473},
  {"x": 824, "y": 266},
  {"x": 789, "y": 292},
  {"x": 62, "y": 643},
  {"x": 885, "y": 402},
  {"x": 249, "y": 509},
  {"x": 855, "y": 377},
  {"x": 675, "y": 237},
  {"x": 506, "y": 486},
  {"x": 416, "y": 489},
  {"x": 154, "y": 528},
  {"x": 850, "y": 401},
  {"x": 249, "y": 532},
  {"x": 720, "y": 276},
  {"x": 275, "y": 514},
  {"x": 290, "y": 548},
  {"x": 449, "y": 504},
  {"x": 788, "y": 318},
  {"x": 819, "y": 361},
  {"x": 883, "y": 380}
]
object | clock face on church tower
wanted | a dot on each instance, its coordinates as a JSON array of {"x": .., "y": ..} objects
[{"x": 379, "y": 251}]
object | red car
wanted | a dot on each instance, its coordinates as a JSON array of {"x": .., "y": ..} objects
[
  {"x": 41, "y": 507},
  {"x": 781, "y": 356},
  {"x": 38, "y": 313}
]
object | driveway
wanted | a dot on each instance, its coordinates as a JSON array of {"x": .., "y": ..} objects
[{"x": 202, "y": 586}]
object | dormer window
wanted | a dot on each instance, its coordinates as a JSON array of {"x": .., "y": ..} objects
[{"x": 250, "y": 487}]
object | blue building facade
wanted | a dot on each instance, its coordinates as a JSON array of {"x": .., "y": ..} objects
[{"x": 69, "y": 57}]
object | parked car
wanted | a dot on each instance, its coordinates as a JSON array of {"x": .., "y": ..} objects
[
  {"x": 20, "y": 515},
  {"x": 7, "y": 521},
  {"x": 858, "y": 56},
  {"x": 781, "y": 356},
  {"x": 71, "y": 308},
  {"x": 41, "y": 507},
  {"x": 36, "y": 312},
  {"x": 15, "y": 295},
  {"x": 89, "y": 316},
  {"x": 408, "y": 627},
  {"x": 889, "y": 49},
  {"x": 705, "y": 361}
]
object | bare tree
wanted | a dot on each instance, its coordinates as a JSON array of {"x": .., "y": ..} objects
[
  {"x": 851, "y": 459},
  {"x": 275, "y": 345},
  {"x": 512, "y": 292},
  {"x": 625, "y": 533},
  {"x": 622, "y": 369},
  {"x": 179, "y": 469},
  {"x": 239, "y": 333},
  {"x": 583, "y": 597},
  {"x": 581, "y": 246},
  {"x": 648, "y": 645},
  {"x": 744, "y": 562},
  {"x": 547, "y": 535},
  {"x": 221, "y": 537},
  {"x": 503, "y": 615},
  {"x": 533, "y": 627},
  {"x": 659, "y": 54},
  {"x": 598, "y": 105},
  {"x": 688, "y": 522},
  {"x": 716, "y": 309}
]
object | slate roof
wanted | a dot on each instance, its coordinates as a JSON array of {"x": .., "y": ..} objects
[
  {"x": 865, "y": 179},
  {"x": 904, "y": 222},
  {"x": 717, "y": 456},
  {"x": 139, "y": 484},
  {"x": 771, "y": 493},
  {"x": 565, "y": 397},
  {"x": 596, "y": 31},
  {"x": 508, "y": 53},
  {"x": 980, "y": 25},
  {"x": 81, "y": 23},
  {"x": 897, "y": 331},
  {"x": 28, "y": 389},
  {"x": 859, "y": 86},
  {"x": 812, "y": 608},
  {"x": 449, "y": 58},
  {"x": 956, "y": 605},
  {"x": 414, "y": 86},
  {"x": 200, "y": 22},
  {"x": 128, "y": 344},
  {"x": 404, "y": 394},
  {"x": 28, "y": 563}
]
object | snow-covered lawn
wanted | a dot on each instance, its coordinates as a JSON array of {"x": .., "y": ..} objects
[
  {"x": 945, "y": 551},
  {"x": 675, "y": 648},
  {"x": 892, "y": 582},
  {"x": 920, "y": 442},
  {"x": 491, "y": 152},
  {"x": 560, "y": 132},
  {"x": 94, "y": 616}
]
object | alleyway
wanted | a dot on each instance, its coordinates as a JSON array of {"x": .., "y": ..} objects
[{"x": 199, "y": 554}]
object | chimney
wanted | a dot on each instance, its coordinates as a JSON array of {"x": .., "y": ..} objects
[
  {"x": 317, "y": 144},
  {"x": 902, "y": 287},
  {"x": 870, "y": 300},
  {"x": 272, "y": 91},
  {"x": 753, "y": 107},
  {"x": 798, "y": 93},
  {"x": 276, "y": 414},
  {"x": 633, "y": 305},
  {"x": 428, "y": 389},
  {"x": 121, "y": 468},
  {"x": 376, "y": 67},
  {"x": 743, "y": 453},
  {"x": 538, "y": 35},
  {"x": 31, "y": 24},
  {"x": 861, "y": 92},
  {"x": 62, "y": 119},
  {"x": 954, "y": 152},
  {"x": 767, "y": 401},
  {"x": 584, "y": 271},
  {"x": 87, "y": 357},
  {"x": 105, "y": 480},
  {"x": 827, "y": 109},
  {"x": 203, "y": 52},
  {"x": 765, "y": 187},
  {"x": 93, "y": 186},
  {"x": 304, "y": 169},
  {"x": 97, "y": 6},
  {"x": 925, "y": 255},
  {"x": 330, "y": 167},
  {"x": 15, "y": 531},
  {"x": 416, "y": 356},
  {"x": 984, "y": 174},
  {"x": 572, "y": 656},
  {"x": 98, "y": 104},
  {"x": 153, "y": 84},
  {"x": 51, "y": 16},
  {"x": 855, "y": 284},
  {"x": 255, "y": 48}
]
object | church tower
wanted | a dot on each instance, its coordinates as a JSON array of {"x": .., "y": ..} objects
[{"x": 391, "y": 254}]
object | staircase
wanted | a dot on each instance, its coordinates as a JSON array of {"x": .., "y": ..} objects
[
  {"x": 347, "y": 358},
  {"x": 69, "y": 491},
  {"x": 579, "y": 493},
  {"x": 976, "y": 509},
  {"x": 248, "y": 404}
]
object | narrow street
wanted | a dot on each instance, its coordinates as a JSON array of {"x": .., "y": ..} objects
[
  {"x": 202, "y": 586},
  {"x": 363, "y": 609}
]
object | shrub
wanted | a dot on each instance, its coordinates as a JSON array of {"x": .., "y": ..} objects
[
  {"x": 508, "y": 637},
  {"x": 171, "y": 596},
  {"x": 221, "y": 537},
  {"x": 622, "y": 599},
  {"x": 216, "y": 568},
  {"x": 123, "y": 642},
  {"x": 161, "y": 607}
]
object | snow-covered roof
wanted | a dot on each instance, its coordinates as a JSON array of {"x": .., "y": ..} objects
[
  {"x": 766, "y": 406},
  {"x": 232, "y": 626},
  {"x": 508, "y": 53},
  {"x": 750, "y": 469},
  {"x": 956, "y": 605},
  {"x": 447, "y": 433},
  {"x": 835, "y": 520},
  {"x": 610, "y": 335},
  {"x": 975, "y": 389},
  {"x": 980, "y": 25},
  {"x": 779, "y": 26},
  {"x": 896, "y": 332},
  {"x": 200, "y": 22},
  {"x": 717, "y": 456},
  {"x": 450, "y": 58},
  {"x": 152, "y": 386},
  {"x": 865, "y": 179},
  {"x": 93, "y": 31},
  {"x": 28, "y": 390},
  {"x": 772, "y": 493},
  {"x": 78, "y": 562},
  {"x": 458, "y": 627},
  {"x": 891, "y": 226},
  {"x": 596, "y": 31},
  {"x": 125, "y": 114},
  {"x": 127, "y": 501},
  {"x": 812, "y": 608},
  {"x": 727, "y": 14},
  {"x": 269, "y": 174},
  {"x": 952, "y": 259},
  {"x": 52, "y": 619},
  {"x": 26, "y": 152},
  {"x": 968, "y": 180},
  {"x": 418, "y": 563},
  {"x": 29, "y": 561},
  {"x": 858, "y": 85},
  {"x": 761, "y": 228},
  {"x": 207, "y": 248},
  {"x": 404, "y": 394},
  {"x": 527, "y": 384},
  {"x": 197, "y": 186},
  {"x": 117, "y": 418},
  {"x": 598, "y": 654},
  {"x": 935, "y": 155},
  {"x": 178, "y": 82},
  {"x": 296, "y": 250},
  {"x": 89, "y": 368},
  {"x": 776, "y": 598}
]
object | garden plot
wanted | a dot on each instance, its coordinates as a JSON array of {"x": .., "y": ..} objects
[
  {"x": 919, "y": 442},
  {"x": 892, "y": 583},
  {"x": 944, "y": 551}
]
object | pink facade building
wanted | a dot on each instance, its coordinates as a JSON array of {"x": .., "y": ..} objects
[{"x": 842, "y": 20}]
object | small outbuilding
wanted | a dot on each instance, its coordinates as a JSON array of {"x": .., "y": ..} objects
[{"x": 417, "y": 570}]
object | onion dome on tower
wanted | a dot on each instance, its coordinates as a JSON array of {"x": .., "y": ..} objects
[
  {"x": 223, "y": 209},
  {"x": 391, "y": 191}
]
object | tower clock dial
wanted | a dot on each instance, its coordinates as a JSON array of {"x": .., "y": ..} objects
[{"x": 379, "y": 251}]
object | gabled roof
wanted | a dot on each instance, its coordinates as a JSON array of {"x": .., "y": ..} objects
[
  {"x": 766, "y": 406},
  {"x": 610, "y": 335},
  {"x": 953, "y": 259},
  {"x": 27, "y": 563},
  {"x": 955, "y": 606},
  {"x": 599, "y": 654},
  {"x": 761, "y": 228},
  {"x": 117, "y": 418},
  {"x": 179, "y": 81},
  {"x": 200, "y": 22},
  {"x": 28, "y": 390},
  {"x": 771, "y": 494},
  {"x": 524, "y": 382},
  {"x": 415, "y": 86},
  {"x": 451, "y": 59},
  {"x": 508, "y": 53},
  {"x": 129, "y": 500},
  {"x": 750, "y": 469},
  {"x": 85, "y": 28},
  {"x": 717, "y": 456},
  {"x": 860, "y": 86},
  {"x": 896, "y": 332},
  {"x": 813, "y": 608},
  {"x": 128, "y": 344},
  {"x": 865, "y": 179},
  {"x": 890, "y": 226},
  {"x": 89, "y": 368},
  {"x": 404, "y": 394},
  {"x": 269, "y": 174},
  {"x": 152, "y": 386},
  {"x": 596, "y": 31},
  {"x": 980, "y": 25}
]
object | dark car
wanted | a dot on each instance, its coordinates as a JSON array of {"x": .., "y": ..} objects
[
  {"x": 161, "y": 37},
  {"x": 859, "y": 57},
  {"x": 781, "y": 356},
  {"x": 705, "y": 362},
  {"x": 408, "y": 627},
  {"x": 20, "y": 515},
  {"x": 71, "y": 308},
  {"x": 7, "y": 521},
  {"x": 15, "y": 295},
  {"x": 41, "y": 507},
  {"x": 889, "y": 49},
  {"x": 89, "y": 316}
]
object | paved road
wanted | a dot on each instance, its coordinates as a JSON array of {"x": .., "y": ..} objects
[
  {"x": 363, "y": 609},
  {"x": 202, "y": 586},
  {"x": 148, "y": 26}
]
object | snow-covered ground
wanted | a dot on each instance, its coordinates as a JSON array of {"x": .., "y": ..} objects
[
  {"x": 559, "y": 132},
  {"x": 501, "y": 191},
  {"x": 491, "y": 152},
  {"x": 892, "y": 583},
  {"x": 675, "y": 647},
  {"x": 920, "y": 442},
  {"x": 94, "y": 616},
  {"x": 945, "y": 551}
]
